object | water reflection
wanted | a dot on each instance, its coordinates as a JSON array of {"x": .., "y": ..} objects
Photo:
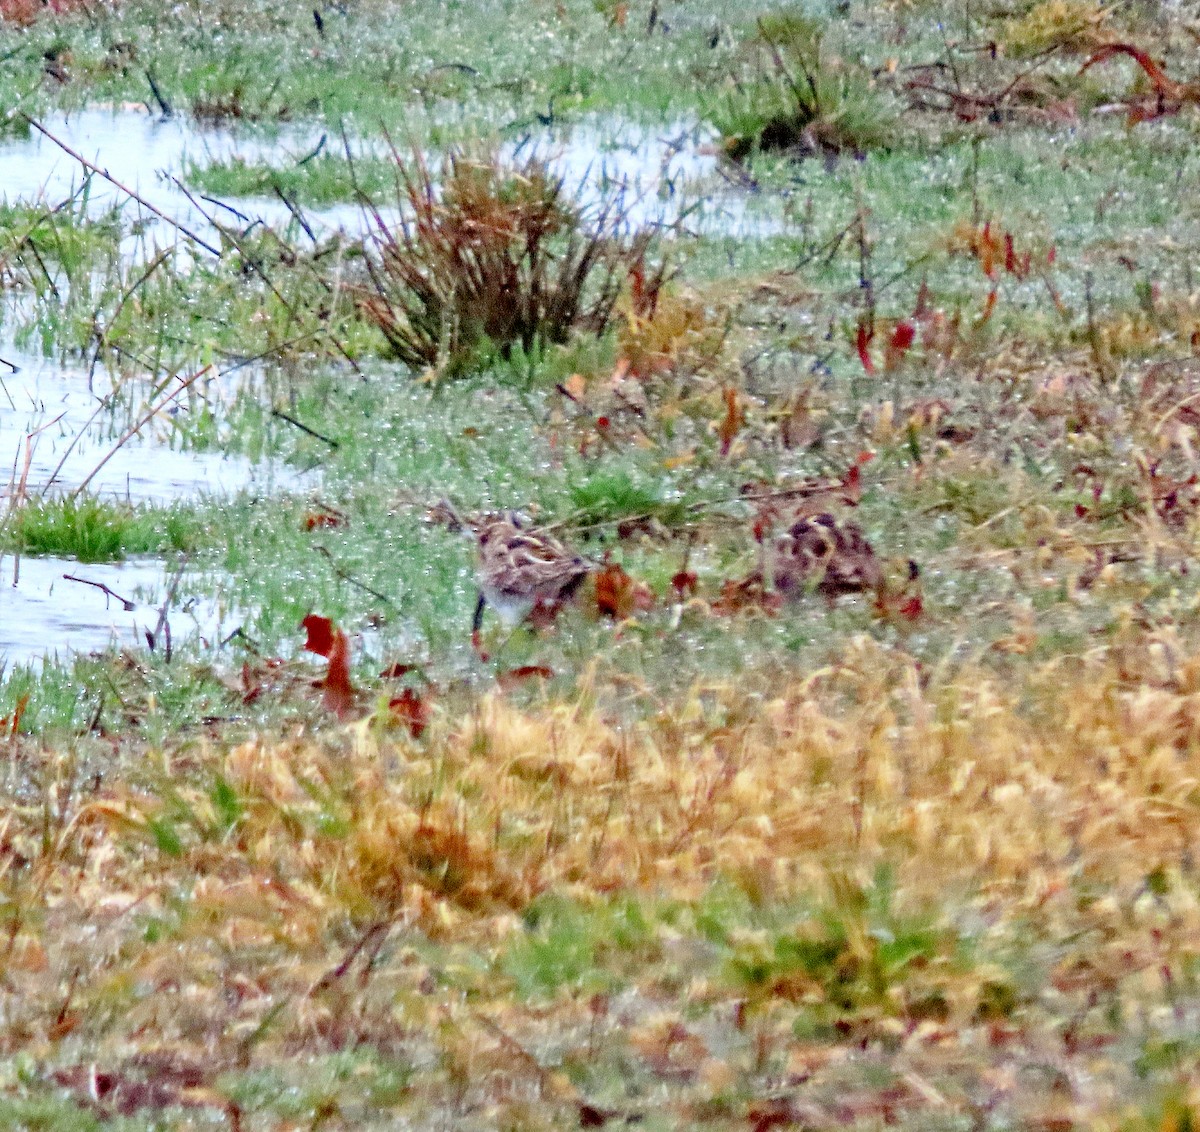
[
  {"x": 44, "y": 615},
  {"x": 55, "y": 429},
  {"x": 666, "y": 170}
]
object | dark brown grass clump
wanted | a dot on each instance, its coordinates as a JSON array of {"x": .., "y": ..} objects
[{"x": 495, "y": 253}]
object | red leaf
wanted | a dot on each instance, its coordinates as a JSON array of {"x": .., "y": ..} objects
[
  {"x": 1010, "y": 254},
  {"x": 988, "y": 307},
  {"x": 898, "y": 345},
  {"x": 685, "y": 582},
  {"x": 862, "y": 340},
  {"x": 339, "y": 692},
  {"x": 18, "y": 711},
  {"x": 324, "y": 520},
  {"x": 852, "y": 480},
  {"x": 1051, "y": 256},
  {"x": 903, "y": 336},
  {"x": 410, "y": 710},
  {"x": 509, "y": 680},
  {"x": 395, "y": 671},
  {"x": 987, "y": 251},
  {"x": 251, "y": 685},
  {"x": 320, "y": 634},
  {"x": 603, "y": 423},
  {"x": 912, "y": 609}
]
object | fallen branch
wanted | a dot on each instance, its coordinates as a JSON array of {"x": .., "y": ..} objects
[{"x": 130, "y": 606}]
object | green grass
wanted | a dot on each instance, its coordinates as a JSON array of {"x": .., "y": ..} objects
[
  {"x": 842, "y": 863},
  {"x": 431, "y": 70},
  {"x": 43, "y": 247},
  {"x": 324, "y": 180},
  {"x": 95, "y": 530}
]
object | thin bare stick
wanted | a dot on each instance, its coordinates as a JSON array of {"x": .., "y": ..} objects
[
  {"x": 102, "y": 335},
  {"x": 134, "y": 429},
  {"x": 117, "y": 184},
  {"x": 345, "y": 577},
  {"x": 19, "y": 488},
  {"x": 130, "y": 606},
  {"x": 372, "y": 938},
  {"x": 163, "y": 626},
  {"x": 281, "y": 415},
  {"x": 71, "y": 447}
]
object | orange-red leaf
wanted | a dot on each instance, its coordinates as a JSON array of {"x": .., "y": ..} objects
[
  {"x": 748, "y": 594},
  {"x": 618, "y": 595},
  {"x": 731, "y": 423},
  {"x": 339, "y": 692},
  {"x": 862, "y": 342},
  {"x": 510, "y": 679},
  {"x": 18, "y": 711},
  {"x": 324, "y": 520},
  {"x": 410, "y": 710},
  {"x": 612, "y": 591},
  {"x": 988, "y": 307},
  {"x": 987, "y": 251},
  {"x": 320, "y": 634}
]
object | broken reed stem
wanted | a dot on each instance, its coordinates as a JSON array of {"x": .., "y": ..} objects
[
  {"x": 104, "y": 173},
  {"x": 133, "y": 430}
]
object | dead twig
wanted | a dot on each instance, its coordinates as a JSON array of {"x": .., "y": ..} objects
[
  {"x": 163, "y": 625},
  {"x": 134, "y": 429},
  {"x": 130, "y": 606}
]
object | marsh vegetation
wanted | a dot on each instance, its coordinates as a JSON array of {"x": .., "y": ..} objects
[{"x": 853, "y": 349}]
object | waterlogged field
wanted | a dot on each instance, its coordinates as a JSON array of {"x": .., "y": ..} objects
[{"x": 851, "y": 347}]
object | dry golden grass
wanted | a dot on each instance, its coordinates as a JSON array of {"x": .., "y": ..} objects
[{"x": 218, "y": 912}]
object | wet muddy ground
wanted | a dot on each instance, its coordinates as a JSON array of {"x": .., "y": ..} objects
[{"x": 63, "y": 424}]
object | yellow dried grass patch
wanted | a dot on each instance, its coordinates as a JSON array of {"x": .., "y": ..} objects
[
  {"x": 972, "y": 784},
  {"x": 232, "y": 909},
  {"x": 1076, "y": 25}
]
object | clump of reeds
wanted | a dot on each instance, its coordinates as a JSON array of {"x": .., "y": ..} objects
[
  {"x": 494, "y": 252},
  {"x": 804, "y": 99}
]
